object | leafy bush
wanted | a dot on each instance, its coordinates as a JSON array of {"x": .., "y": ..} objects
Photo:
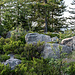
[
  {"x": 4, "y": 70},
  {"x": 1, "y": 29},
  {"x": 67, "y": 34},
  {"x": 32, "y": 50},
  {"x": 71, "y": 68},
  {"x": 22, "y": 38},
  {"x": 13, "y": 47},
  {"x": 34, "y": 67},
  {"x": 2, "y": 42},
  {"x": 4, "y": 57},
  {"x": 17, "y": 33}
]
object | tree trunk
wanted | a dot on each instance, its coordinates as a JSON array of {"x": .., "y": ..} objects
[
  {"x": 45, "y": 18},
  {"x": 0, "y": 15},
  {"x": 52, "y": 19}
]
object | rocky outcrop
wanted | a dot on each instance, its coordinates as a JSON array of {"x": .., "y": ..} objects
[
  {"x": 53, "y": 50},
  {"x": 69, "y": 42},
  {"x": 50, "y": 50},
  {"x": 35, "y": 37},
  {"x": 12, "y": 62}
]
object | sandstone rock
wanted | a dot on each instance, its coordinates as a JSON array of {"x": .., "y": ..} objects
[
  {"x": 35, "y": 37},
  {"x": 65, "y": 41},
  {"x": 53, "y": 51},
  {"x": 69, "y": 42},
  {"x": 12, "y": 62}
]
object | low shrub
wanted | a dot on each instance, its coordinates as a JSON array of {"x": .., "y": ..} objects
[
  {"x": 33, "y": 67},
  {"x": 32, "y": 50},
  {"x": 71, "y": 68},
  {"x": 13, "y": 47},
  {"x": 2, "y": 42},
  {"x": 4, "y": 57},
  {"x": 17, "y": 33},
  {"x": 5, "y": 70},
  {"x": 22, "y": 38}
]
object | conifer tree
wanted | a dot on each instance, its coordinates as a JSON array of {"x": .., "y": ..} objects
[
  {"x": 47, "y": 12},
  {"x": 72, "y": 11},
  {"x": 15, "y": 13}
]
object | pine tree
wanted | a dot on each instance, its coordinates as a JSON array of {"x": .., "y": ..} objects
[
  {"x": 72, "y": 11},
  {"x": 15, "y": 13},
  {"x": 47, "y": 12}
]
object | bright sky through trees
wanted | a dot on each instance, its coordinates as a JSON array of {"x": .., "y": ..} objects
[{"x": 67, "y": 3}]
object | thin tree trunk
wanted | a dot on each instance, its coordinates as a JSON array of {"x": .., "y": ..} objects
[
  {"x": 45, "y": 18},
  {"x": 52, "y": 19},
  {"x": 0, "y": 15}
]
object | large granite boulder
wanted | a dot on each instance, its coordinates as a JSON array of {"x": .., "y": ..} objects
[
  {"x": 69, "y": 42},
  {"x": 12, "y": 61},
  {"x": 35, "y": 37},
  {"x": 53, "y": 50}
]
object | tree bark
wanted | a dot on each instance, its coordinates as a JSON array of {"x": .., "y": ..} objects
[
  {"x": 45, "y": 18},
  {"x": 0, "y": 15}
]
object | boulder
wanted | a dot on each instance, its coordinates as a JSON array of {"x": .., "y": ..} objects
[
  {"x": 55, "y": 39},
  {"x": 65, "y": 41},
  {"x": 69, "y": 42},
  {"x": 74, "y": 43},
  {"x": 53, "y": 50},
  {"x": 12, "y": 61},
  {"x": 35, "y": 37}
]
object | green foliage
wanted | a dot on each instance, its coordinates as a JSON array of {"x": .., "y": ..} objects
[
  {"x": 13, "y": 47},
  {"x": 12, "y": 17},
  {"x": 4, "y": 57},
  {"x": 33, "y": 67},
  {"x": 52, "y": 35},
  {"x": 1, "y": 29},
  {"x": 32, "y": 50},
  {"x": 71, "y": 68},
  {"x": 22, "y": 38},
  {"x": 67, "y": 34},
  {"x": 4, "y": 70},
  {"x": 2, "y": 40},
  {"x": 49, "y": 11},
  {"x": 18, "y": 33}
]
